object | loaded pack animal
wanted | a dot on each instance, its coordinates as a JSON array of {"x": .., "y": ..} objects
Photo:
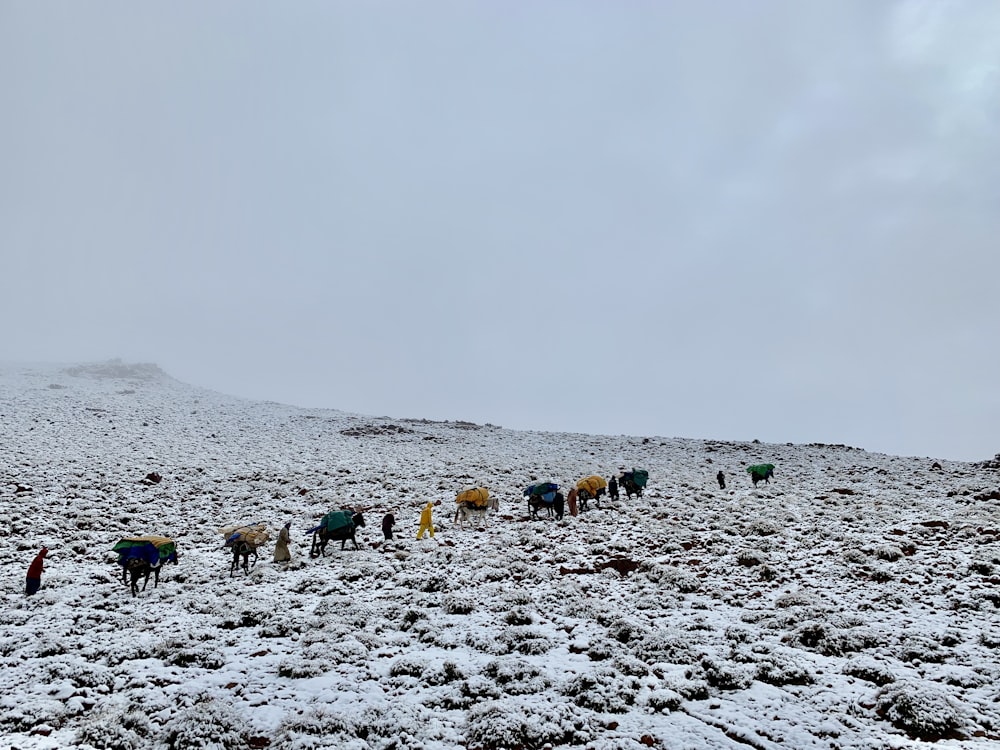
[
  {"x": 244, "y": 541},
  {"x": 545, "y": 495},
  {"x": 590, "y": 488},
  {"x": 469, "y": 513},
  {"x": 339, "y": 525},
  {"x": 140, "y": 557},
  {"x": 556, "y": 508},
  {"x": 633, "y": 482},
  {"x": 474, "y": 504},
  {"x": 760, "y": 472}
]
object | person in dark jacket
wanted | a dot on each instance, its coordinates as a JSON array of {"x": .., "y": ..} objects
[
  {"x": 388, "y": 521},
  {"x": 34, "y": 581},
  {"x": 722, "y": 480},
  {"x": 613, "y": 488}
]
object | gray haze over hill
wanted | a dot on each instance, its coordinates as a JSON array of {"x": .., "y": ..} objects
[{"x": 708, "y": 220}]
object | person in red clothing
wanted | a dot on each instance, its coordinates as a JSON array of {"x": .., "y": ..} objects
[{"x": 35, "y": 572}]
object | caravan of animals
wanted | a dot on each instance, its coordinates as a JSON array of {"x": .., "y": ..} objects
[
  {"x": 844, "y": 599},
  {"x": 139, "y": 556}
]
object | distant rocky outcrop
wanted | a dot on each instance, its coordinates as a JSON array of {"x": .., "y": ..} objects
[
  {"x": 991, "y": 463},
  {"x": 115, "y": 368},
  {"x": 376, "y": 429}
]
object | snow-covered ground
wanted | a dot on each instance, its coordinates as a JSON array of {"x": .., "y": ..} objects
[{"x": 851, "y": 603}]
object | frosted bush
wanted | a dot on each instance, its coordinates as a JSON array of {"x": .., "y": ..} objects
[
  {"x": 296, "y": 667},
  {"x": 247, "y": 618},
  {"x": 870, "y": 670},
  {"x": 688, "y": 686},
  {"x": 522, "y": 640},
  {"x": 196, "y": 656},
  {"x": 920, "y": 647},
  {"x": 795, "y": 599},
  {"x": 781, "y": 669},
  {"x": 338, "y": 650},
  {"x": 763, "y": 527},
  {"x": 831, "y": 641},
  {"x": 356, "y": 616},
  {"x": 727, "y": 675},
  {"x": 748, "y": 557},
  {"x": 664, "y": 701},
  {"x": 361, "y": 570},
  {"x": 990, "y": 638},
  {"x": 316, "y": 727},
  {"x": 208, "y": 724},
  {"x": 628, "y": 664},
  {"x": 855, "y": 556},
  {"x": 671, "y": 577},
  {"x": 922, "y": 711},
  {"x": 518, "y": 616},
  {"x": 128, "y": 730},
  {"x": 888, "y": 552},
  {"x": 626, "y": 630},
  {"x": 26, "y": 715},
  {"x": 281, "y": 626},
  {"x": 478, "y": 688},
  {"x": 516, "y": 676},
  {"x": 332, "y": 606},
  {"x": 963, "y": 677},
  {"x": 445, "y": 673},
  {"x": 981, "y": 567},
  {"x": 396, "y": 726},
  {"x": 81, "y": 675},
  {"x": 516, "y": 597},
  {"x": 736, "y": 634},
  {"x": 602, "y": 649},
  {"x": 409, "y": 666},
  {"x": 495, "y": 725},
  {"x": 665, "y": 646},
  {"x": 655, "y": 571},
  {"x": 459, "y": 605},
  {"x": 603, "y": 690}
]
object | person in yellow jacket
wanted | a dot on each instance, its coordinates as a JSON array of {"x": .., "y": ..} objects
[{"x": 425, "y": 521}]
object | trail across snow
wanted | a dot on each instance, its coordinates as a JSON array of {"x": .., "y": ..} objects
[{"x": 851, "y": 603}]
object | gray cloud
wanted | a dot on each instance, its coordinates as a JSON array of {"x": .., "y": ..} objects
[{"x": 705, "y": 220}]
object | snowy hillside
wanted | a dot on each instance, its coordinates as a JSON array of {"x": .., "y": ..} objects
[{"x": 851, "y": 603}]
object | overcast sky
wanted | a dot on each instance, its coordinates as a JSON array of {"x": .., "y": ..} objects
[{"x": 727, "y": 220}]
